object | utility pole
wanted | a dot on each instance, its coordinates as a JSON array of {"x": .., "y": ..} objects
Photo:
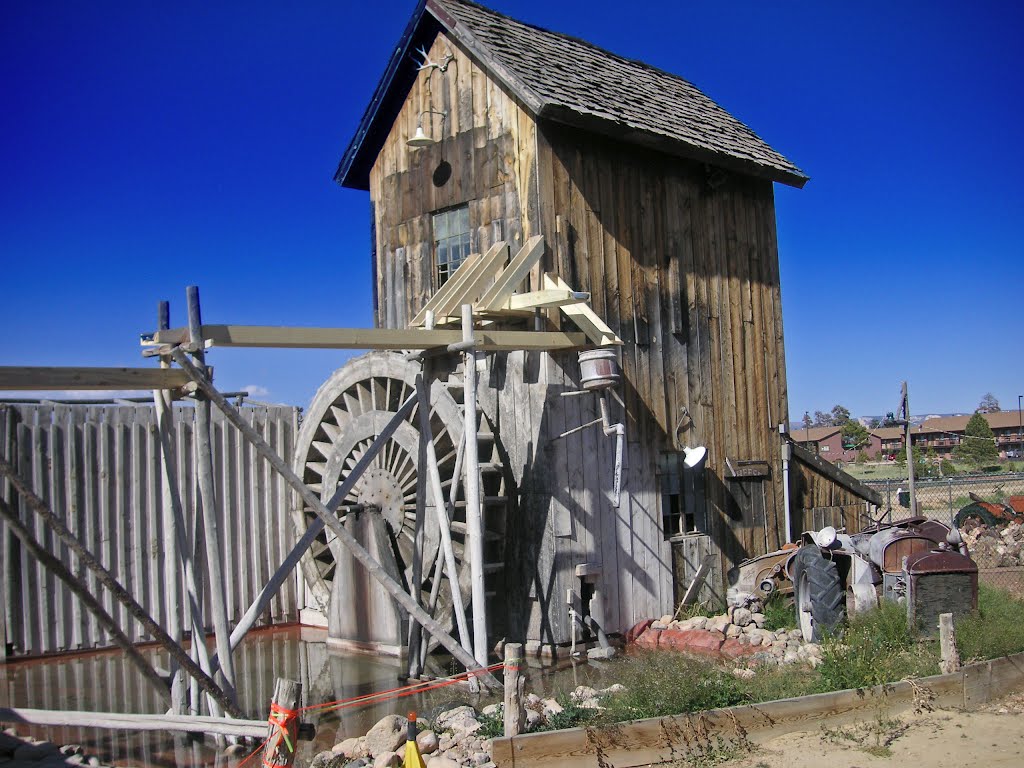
[{"x": 905, "y": 415}]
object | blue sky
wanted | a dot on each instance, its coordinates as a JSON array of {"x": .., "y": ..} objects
[{"x": 146, "y": 146}]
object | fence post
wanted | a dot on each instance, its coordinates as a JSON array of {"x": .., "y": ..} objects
[
  {"x": 515, "y": 682},
  {"x": 947, "y": 644},
  {"x": 283, "y": 732}
]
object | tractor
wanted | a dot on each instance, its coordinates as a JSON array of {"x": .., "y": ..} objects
[
  {"x": 995, "y": 514},
  {"x": 920, "y": 563}
]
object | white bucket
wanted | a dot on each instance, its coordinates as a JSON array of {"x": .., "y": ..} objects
[{"x": 599, "y": 369}]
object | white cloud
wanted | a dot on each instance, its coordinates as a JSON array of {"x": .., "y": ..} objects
[{"x": 255, "y": 390}]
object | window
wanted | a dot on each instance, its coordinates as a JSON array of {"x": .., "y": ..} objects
[
  {"x": 682, "y": 497},
  {"x": 825, "y": 449},
  {"x": 451, "y": 241}
]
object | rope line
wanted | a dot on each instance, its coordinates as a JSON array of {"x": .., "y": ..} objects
[{"x": 400, "y": 692}]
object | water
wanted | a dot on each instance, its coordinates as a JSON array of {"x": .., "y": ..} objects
[{"x": 105, "y": 682}]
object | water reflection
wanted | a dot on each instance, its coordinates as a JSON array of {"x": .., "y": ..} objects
[{"x": 104, "y": 682}]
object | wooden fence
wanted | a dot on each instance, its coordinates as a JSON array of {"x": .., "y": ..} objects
[{"x": 98, "y": 468}]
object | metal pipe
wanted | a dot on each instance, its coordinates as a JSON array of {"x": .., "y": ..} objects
[{"x": 787, "y": 453}]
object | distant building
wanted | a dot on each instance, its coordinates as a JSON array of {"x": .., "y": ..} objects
[
  {"x": 827, "y": 442},
  {"x": 943, "y": 434}
]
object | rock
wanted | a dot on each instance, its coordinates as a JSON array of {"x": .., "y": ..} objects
[
  {"x": 796, "y": 634},
  {"x": 583, "y": 692},
  {"x": 601, "y": 653},
  {"x": 790, "y": 658},
  {"x": 445, "y": 742},
  {"x": 427, "y": 742},
  {"x": 696, "y": 641},
  {"x": 733, "y": 631},
  {"x": 388, "y": 735},
  {"x": 612, "y": 689},
  {"x": 718, "y": 624},
  {"x": 754, "y": 640},
  {"x": 666, "y": 619},
  {"x": 533, "y": 719},
  {"x": 479, "y": 758},
  {"x": 551, "y": 707},
  {"x": 443, "y": 761},
  {"x": 352, "y": 747},
  {"x": 699, "y": 622},
  {"x": 531, "y": 700},
  {"x": 744, "y": 674},
  {"x": 328, "y": 759},
  {"x": 734, "y": 649},
  {"x": 651, "y": 638},
  {"x": 659, "y": 625},
  {"x": 460, "y": 718},
  {"x": 741, "y": 617},
  {"x": 757, "y": 619},
  {"x": 491, "y": 710},
  {"x": 637, "y": 629},
  {"x": 232, "y": 750},
  {"x": 387, "y": 760}
]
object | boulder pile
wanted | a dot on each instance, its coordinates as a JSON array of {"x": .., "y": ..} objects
[
  {"x": 450, "y": 740},
  {"x": 738, "y": 634},
  {"x": 993, "y": 547}
]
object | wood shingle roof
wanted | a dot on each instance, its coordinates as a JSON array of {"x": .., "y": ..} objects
[{"x": 568, "y": 80}]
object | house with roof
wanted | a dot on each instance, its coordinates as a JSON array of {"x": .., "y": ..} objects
[
  {"x": 944, "y": 433},
  {"x": 652, "y": 199}
]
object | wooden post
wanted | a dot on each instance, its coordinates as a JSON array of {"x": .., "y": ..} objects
[
  {"x": 86, "y": 558},
  {"x": 283, "y": 732},
  {"x": 474, "y": 516},
  {"x": 441, "y": 511},
  {"x": 419, "y": 532},
  {"x": 169, "y": 499},
  {"x": 515, "y": 683},
  {"x": 345, "y": 538},
  {"x": 210, "y": 509},
  {"x": 62, "y": 572},
  {"x": 910, "y": 451},
  {"x": 947, "y": 644}
]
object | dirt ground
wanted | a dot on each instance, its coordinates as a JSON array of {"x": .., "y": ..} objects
[{"x": 992, "y": 736}]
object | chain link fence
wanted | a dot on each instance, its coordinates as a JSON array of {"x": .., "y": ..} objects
[{"x": 988, "y": 509}]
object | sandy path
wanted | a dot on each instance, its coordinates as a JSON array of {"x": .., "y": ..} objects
[{"x": 991, "y": 737}]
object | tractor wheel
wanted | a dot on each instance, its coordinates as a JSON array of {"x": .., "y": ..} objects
[
  {"x": 818, "y": 594},
  {"x": 972, "y": 516}
]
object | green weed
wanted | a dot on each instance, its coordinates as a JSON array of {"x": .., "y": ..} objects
[
  {"x": 779, "y": 612},
  {"x": 997, "y": 629},
  {"x": 874, "y": 737}
]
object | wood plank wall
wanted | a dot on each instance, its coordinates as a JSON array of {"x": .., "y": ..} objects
[
  {"x": 817, "y": 500},
  {"x": 682, "y": 263},
  {"x": 98, "y": 468}
]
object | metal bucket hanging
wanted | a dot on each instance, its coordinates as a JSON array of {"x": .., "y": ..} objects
[{"x": 599, "y": 369}]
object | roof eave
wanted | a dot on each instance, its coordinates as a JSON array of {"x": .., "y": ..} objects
[
  {"x": 354, "y": 169},
  {"x": 669, "y": 145}
]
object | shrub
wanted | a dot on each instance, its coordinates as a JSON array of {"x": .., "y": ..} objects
[
  {"x": 492, "y": 726},
  {"x": 947, "y": 468},
  {"x": 571, "y": 716},
  {"x": 997, "y": 629},
  {"x": 877, "y": 647}
]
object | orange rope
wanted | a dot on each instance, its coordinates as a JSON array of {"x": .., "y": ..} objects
[{"x": 401, "y": 691}]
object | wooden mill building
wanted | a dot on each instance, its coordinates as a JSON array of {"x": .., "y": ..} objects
[{"x": 659, "y": 203}]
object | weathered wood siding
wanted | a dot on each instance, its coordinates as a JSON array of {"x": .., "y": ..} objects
[
  {"x": 681, "y": 261},
  {"x": 823, "y": 495},
  {"x": 486, "y": 161},
  {"x": 98, "y": 468}
]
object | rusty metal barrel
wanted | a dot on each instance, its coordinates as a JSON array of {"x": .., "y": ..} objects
[{"x": 599, "y": 369}]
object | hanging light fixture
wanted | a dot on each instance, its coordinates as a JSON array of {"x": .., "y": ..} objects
[{"x": 421, "y": 138}]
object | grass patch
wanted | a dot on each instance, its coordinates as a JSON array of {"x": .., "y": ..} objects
[
  {"x": 779, "y": 613},
  {"x": 997, "y": 629},
  {"x": 875, "y": 648},
  {"x": 662, "y": 683}
]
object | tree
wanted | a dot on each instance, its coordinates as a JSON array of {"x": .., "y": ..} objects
[
  {"x": 822, "y": 419},
  {"x": 988, "y": 404},
  {"x": 978, "y": 445},
  {"x": 875, "y": 423},
  {"x": 855, "y": 436},
  {"x": 807, "y": 419},
  {"x": 840, "y": 415}
]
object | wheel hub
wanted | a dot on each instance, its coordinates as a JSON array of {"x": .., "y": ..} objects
[{"x": 380, "y": 490}]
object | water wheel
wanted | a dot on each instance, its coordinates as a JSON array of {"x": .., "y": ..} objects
[{"x": 345, "y": 417}]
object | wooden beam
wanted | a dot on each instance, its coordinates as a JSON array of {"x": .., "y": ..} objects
[
  {"x": 513, "y": 275},
  {"x": 256, "y": 729},
  {"x": 52, "y": 378},
  {"x": 837, "y": 475},
  {"x": 584, "y": 317},
  {"x": 451, "y": 285},
  {"x": 282, "y": 337},
  {"x": 545, "y": 299},
  {"x": 473, "y": 284}
]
